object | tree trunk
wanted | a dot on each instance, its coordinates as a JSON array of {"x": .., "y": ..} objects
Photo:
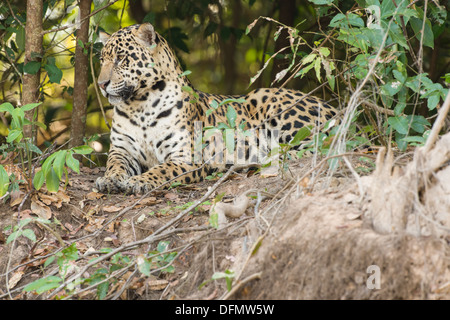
[
  {"x": 78, "y": 124},
  {"x": 33, "y": 52},
  {"x": 287, "y": 11},
  {"x": 228, "y": 49}
]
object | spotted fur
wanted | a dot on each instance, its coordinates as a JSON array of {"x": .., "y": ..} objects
[{"x": 155, "y": 115}]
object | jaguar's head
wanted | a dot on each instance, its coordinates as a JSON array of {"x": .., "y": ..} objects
[{"x": 131, "y": 62}]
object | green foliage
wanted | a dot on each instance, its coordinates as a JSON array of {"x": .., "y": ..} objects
[
  {"x": 228, "y": 275},
  {"x": 53, "y": 166},
  {"x": 158, "y": 259},
  {"x": 44, "y": 284},
  {"x": 56, "y": 164},
  {"x": 65, "y": 260},
  {"x": 19, "y": 230},
  {"x": 390, "y": 32},
  {"x": 229, "y": 129}
]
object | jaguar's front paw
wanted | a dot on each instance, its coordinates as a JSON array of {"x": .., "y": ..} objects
[
  {"x": 112, "y": 183},
  {"x": 138, "y": 185}
]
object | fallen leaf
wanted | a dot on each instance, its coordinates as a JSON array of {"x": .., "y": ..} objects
[
  {"x": 171, "y": 196},
  {"x": 16, "y": 197},
  {"x": 49, "y": 199},
  {"x": 111, "y": 209},
  {"x": 147, "y": 202},
  {"x": 113, "y": 238},
  {"x": 94, "y": 195},
  {"x": 40, "y": 209},
  {"x": 63, "y": 197},
  {"x": 15, "y": 202},
  {"x": 24, "y": 214},
  {"x": 15, "y": 278},
  {"x": 157, "y": 285}
]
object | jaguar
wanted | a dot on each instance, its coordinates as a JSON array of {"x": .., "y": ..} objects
[{"x": 158, "y": 114}]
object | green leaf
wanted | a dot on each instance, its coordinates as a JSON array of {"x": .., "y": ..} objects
[
  {"x": 400, "y": 76},
  {"x": 214, "y": 104},
  {"x": 14, "y": 135},
  {"x": 38, "y": 179},
  {"x": 231, "y": 117},
  {"x": 228, "y": 275},
  {"x": 399, "y": 108},
  {"x": 33, "y": 148},
  {"x": 397, "y": 36},
  {"x": 230, "y": 100},
  {"x": 399, "y": 123},
  {"x": 7, "y": 107},
  {"x": 335, "y": 22},
  {"x": 321, "y": 2},
  {"x": 83, "y": 149},
  {"x": 102, "y": 290},
  {"x": 54, "y": 73},
  {"x": 20, "y": 38},
  {"x": 214, "y": 220},
  {"x": 32, "y": 67},
  {"x": 29, "y": 234},
  {"x": 324, "y": 51},
  {"x": 186, "y": 73},
  {"x": 49, "y": 261},
  {"x": 301, "y": 135},
  {"x": 418, "y": 123},
  {"x": 417, "y": 139},
  {"x": 72, "y": 163},
  {"x": 391, "y": 88},
  {"x": 144, "y": 265},
  {"x": 30, "y": 106},
  {"x": 48, "y": 164},
  {"x": 317, "y": 68},
  {"x": 52, "y": 180},
  {"x": 428, "y": 36},
  {"x": 304, "y": 70},
  {"x": 4, "y": 181},
  {"x": 229, "y": 140},
  {"x": 309, "y": 58},
  {"x": 44, "y": 284},
  {"x": 401, "y": 144},
  {"x": 58, "y": 164},
  {"x": 433, "y": 100},
  {"x": 341, "y": 20},
  {"x": 13, "y": 236},
  {"x": 162, "y": 246},
  {"x": 71, "y": 252}
]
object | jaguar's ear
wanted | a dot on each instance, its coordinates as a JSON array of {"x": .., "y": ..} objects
[
  {"x": 145, "y": 34},
  {"x": 103, "y": 36}
]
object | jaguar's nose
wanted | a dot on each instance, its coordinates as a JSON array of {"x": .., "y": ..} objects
[{"x": 103, "y": 84}]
